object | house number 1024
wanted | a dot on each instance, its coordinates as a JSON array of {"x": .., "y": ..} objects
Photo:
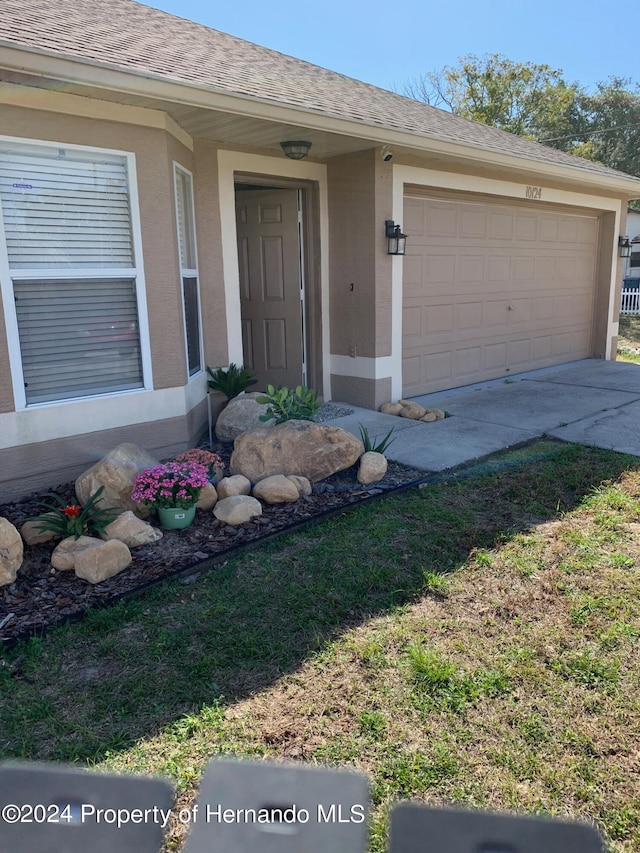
[{"x": 534, "y": 192}]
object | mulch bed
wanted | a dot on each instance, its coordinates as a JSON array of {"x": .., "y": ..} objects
[{"x": 42, "y": 597}]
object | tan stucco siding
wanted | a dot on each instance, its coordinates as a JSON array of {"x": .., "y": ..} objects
[
  {"x": 209, "y": 240},
  {"x": 352, "y": 242},
  {"x": 32, "y": 467},
  {"x": 154, "y": 150}
]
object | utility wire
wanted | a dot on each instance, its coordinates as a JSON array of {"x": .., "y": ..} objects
[{"x": 591, "y": 132}]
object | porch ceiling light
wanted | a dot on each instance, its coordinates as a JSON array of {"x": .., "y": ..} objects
[
  {"x": 296, "y": 150},
  {"x": 624, "y": 246},
  {"x": 396, "y": 240}
]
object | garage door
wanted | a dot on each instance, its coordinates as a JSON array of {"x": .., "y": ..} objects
[{"x": 492, "y": 289}]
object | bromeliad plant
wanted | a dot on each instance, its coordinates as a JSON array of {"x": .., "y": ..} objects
[
  {"x": 70, "y": 519},
  {"x": 300, "y": 404},
  {"x": 212, "y": 462},
  {"x": 171, "y": 485}
]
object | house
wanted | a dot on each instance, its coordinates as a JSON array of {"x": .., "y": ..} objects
[
  {"x": 632, "y": 263},
  {"x": 153, "y": 224}
]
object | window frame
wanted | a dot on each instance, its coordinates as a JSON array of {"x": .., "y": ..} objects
[
  {"x": 7, "y": 277},
  {"x": 189, "y": 272}
]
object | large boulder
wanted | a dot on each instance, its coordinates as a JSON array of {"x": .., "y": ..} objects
[
  {"x": 310, "y": 450},
  {"x": 11, "y": 552},
  {"x": 240, "y": 415},
  {"x": 116, "y": 472}
]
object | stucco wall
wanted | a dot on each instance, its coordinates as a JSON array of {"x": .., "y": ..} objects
[{"x": 155, "y": 152}]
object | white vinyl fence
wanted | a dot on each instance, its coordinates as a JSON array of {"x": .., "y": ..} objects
[{"x": 630, "y": 302}]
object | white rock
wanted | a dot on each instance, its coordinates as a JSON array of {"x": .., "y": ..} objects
[
  {"x": 208, "y": 497},
  {"x": 32, "y": 535},
  {"x": 116, "y": 472},
  {"x": 391, "y": 408},
  {"x": 276, "y": 489},
  {"x": 11, "y": 552},
  {"x": 303, "y": 485},
  {"x": 98, "y": 564},
  {"x": 241, "y": 414},
  {"x": 131, "y": 530},
  {"x": 237, "y": 509},
  {"x": 228, "y": 487},
  {"x": 64, "y": 554},
  {"x": 373, "y": 467}
]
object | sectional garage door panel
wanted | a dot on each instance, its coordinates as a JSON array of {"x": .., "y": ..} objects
[{"x": 491, "y": 289}]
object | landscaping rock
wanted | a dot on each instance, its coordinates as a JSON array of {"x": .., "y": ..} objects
[
  {"x": 65, "y": 553},
  {"x": 429, "y": 418},
  {"x": 97, "y": 564},
  {"x": 412, "y": 410},
  {"x": 237, "y": 509},
  {"x": 391, "y": 408},
  {"x": 241, "y": 414},
  {"x": 131, "y": 530},
  {"x": 440, "y": 415},
  {"x": 32, "y": 535},
  {"x": 301, "y": 483},
  {"x": 276, "y": 489},
  {"x": 373, "y": 467},
  {"x": 208, "y": 497},
  {"x": 116, "y": 472},
  {"x": 232, "y": 486},
  {"x": 11, "y": 552},
  {"x": 310, "y": 450}
]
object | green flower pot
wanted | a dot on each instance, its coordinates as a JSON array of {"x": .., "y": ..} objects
[{"x": 176, "y": 518}]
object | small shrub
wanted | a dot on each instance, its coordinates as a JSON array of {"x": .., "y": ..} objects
[
  {"x": 374, "y": 445},
  {"x": 70, "y": 519},
  {"x": 231, "y": 381},
  {"x": 300, "y": 403}
]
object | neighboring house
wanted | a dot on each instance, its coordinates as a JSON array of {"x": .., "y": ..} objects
[
  {"x": 632, "y": 263},
  {"x": 152, "y": 225}
]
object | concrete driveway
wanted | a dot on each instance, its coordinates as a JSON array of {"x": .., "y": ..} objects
[{"x": 591, "y": 402}]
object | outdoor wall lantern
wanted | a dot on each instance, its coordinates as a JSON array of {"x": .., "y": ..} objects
[
  {"x": 296, "y": 150},
  {"x": 624, "y": 246},
  {"x": 397, "y": 241}
]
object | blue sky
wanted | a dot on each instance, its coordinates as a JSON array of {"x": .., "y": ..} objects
[{"x": 388, "y": 43}]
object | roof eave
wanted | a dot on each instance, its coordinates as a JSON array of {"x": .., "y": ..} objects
[{"x": 50, "y": 64}]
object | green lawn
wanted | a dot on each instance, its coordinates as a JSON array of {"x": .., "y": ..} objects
[
  {"x": 475, "y": 641},
  {"x": 629, "y": 339}
]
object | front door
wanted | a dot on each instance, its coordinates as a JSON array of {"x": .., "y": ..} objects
[{"x": 271, "y": 293}]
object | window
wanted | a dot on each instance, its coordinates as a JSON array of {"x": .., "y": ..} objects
[
  {"x": 69, "y": 247},
  {"x": 188, "y": 268}
]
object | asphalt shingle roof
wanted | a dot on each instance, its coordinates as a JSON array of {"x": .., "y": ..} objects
[{"x": 130, "y": 36}]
